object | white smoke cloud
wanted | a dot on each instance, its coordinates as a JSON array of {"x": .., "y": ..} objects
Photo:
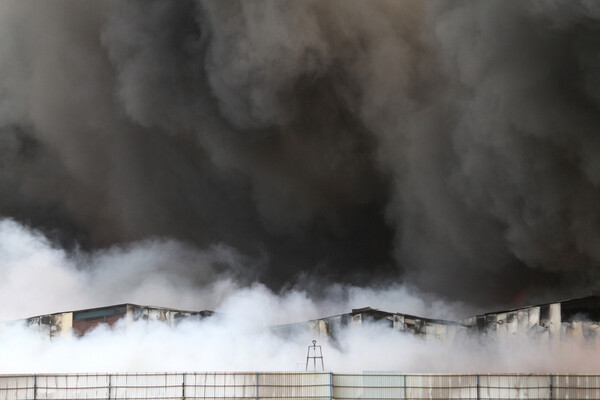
[
  {"x": 38, "y": 278},
  {"x": 243, "y": 344}
]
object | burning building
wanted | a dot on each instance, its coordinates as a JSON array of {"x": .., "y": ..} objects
[
  {"x": 574, "y": 319},
  {"x": 81, "y": 321},
  {"x": 329, "y": 328}
]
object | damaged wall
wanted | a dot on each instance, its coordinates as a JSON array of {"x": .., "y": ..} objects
[
  {"x": 53, "y": 324},
  {"x": 329, "y": 328},
  {"x": 81, "y": 321},
  {"x": 569, "y": 320},
  {"x": 572, "y": 320}
]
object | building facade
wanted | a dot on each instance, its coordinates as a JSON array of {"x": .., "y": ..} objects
[
  {"x": 79, "y": 322},
  {"x": 329, "y": 328},
  {"x": 575, "y": 320}
]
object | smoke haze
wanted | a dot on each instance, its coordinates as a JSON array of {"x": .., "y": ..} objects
[
  {"x": 240, "y": 344},
  {"x": 180, "y": 153},
  {"x": 36, "y": 277}
]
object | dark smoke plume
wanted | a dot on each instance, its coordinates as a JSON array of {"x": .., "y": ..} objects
[{"x": 452, "y": 144}]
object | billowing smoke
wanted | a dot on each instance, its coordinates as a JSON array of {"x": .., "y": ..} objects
[
  {"x": 452, "y": 146},
  {"x": 36, "y": 277},
  {"x": 240, "y": 344}
]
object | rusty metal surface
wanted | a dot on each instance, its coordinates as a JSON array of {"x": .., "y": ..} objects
[{"x": 298, "y": 386}]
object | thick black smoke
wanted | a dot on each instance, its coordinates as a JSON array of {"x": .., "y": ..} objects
[{"x": 452, "y": 144}]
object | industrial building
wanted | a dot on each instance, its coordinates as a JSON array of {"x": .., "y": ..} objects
[
  {"x": 329, "y": 328},
  {"x": 80, "y": 321},
  {"x": 574, "y": 319}
]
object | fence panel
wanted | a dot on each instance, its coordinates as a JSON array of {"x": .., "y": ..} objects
[
  {"x": 299, "y": 385},
  {"x": 15, "y": 387},
  {"x": 368, "y": 386},
  {"x": 146, "y": 386},
  {"x": 73, "y": 386},
  {"x": 441, "y": 387},
  {"x": 576, "y": 386},
  {"x": 220, "y": 385},
  {"x": 499, "y": 387}
]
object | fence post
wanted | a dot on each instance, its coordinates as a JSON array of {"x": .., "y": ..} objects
[
  {"x": 404, "y": 386},
  {"x": 257, "y": 386},
  {"x": 34, "y": 386},
  {"x": 331, "y": 386},
  {"x": 551, "y": 387},
  {"x": 477, "y": 386},
  {"x": 183, "y": 387},
  {"x": 109, "y": 383}
]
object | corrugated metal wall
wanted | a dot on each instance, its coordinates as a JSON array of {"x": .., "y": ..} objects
[{"x": 297, "y": 386}]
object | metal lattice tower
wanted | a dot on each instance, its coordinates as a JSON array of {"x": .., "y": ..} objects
[{"x": 314, "y": 355}]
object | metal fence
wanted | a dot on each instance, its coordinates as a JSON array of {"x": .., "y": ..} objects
[{"x": 297, "y": 386}]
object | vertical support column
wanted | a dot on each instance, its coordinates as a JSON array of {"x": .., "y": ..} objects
[
  {"x": 478, "y": 387},
  {"x": 331, "y": 386},
  {"x": 109, "y": 384},
  {"x": 257, "y": 386},
  {"x": 183, "y": 387},
  {"x": 404, "y": 386},
  {"x": 551, "y": 387},
  {"x": 34, "y": 386}
]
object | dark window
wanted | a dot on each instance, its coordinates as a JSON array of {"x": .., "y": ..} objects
[
  {"x": 84, "y": 321},
  {"x": 544, "y": 313}
]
